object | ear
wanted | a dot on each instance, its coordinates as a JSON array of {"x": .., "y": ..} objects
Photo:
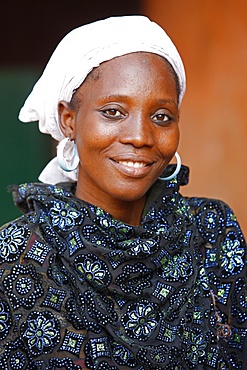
[{"x": 66, "y": 119}]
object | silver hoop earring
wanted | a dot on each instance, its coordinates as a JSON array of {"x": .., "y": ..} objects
[
  {"x": 71, "y": 163},
  {"x": 174, "y": 174}
]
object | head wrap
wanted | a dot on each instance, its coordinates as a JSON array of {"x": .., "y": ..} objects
[{"x": 81, "y": 50}]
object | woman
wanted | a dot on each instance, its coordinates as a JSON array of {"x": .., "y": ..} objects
[{"x": 110, "y": 267}]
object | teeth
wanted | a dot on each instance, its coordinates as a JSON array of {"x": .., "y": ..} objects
[{"x": 132, "y": 164}]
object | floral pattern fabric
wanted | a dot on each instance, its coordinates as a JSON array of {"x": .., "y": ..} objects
[{"x": 81, "y": 290}]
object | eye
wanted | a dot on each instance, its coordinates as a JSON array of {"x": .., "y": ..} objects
[
  {"x": 112, "y": 113},
  {"x": 161, "y": 117}
]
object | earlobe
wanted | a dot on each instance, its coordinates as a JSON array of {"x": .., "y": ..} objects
[{"x": 66, "y": 119}]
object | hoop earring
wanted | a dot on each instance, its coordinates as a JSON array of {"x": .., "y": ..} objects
[
  {"x": 174, "y": 174},
  {"x": 67, "y": 164}
]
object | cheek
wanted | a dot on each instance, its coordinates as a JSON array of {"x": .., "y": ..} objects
[
  {"x": 168, "y": 141},
  {"x": 95, "y": 137},
  {"x": 177, "y": 137},
  {"x": 90, "y": 142}
]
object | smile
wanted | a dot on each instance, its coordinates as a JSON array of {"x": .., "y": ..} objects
[
  {"x": 132, "y": 164},
  {"x": 132, "y": 168}
]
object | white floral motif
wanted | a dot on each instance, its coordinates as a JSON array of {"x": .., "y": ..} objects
[
  {"x": 93, "y": 270},
  {"x": 12, "y": 242},
  {"x": 140, "y": 320},
  {"x": 41, "y": 332},
  {"x": 64, "y": 216}
]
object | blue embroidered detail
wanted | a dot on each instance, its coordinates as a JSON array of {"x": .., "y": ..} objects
[
  {"x": 140, "y": 320},
  {"x": 223, "y": 292},
  {"x": 232, "y": 254},
  {"x": 162, "y": 291},
  {"x": 72, "y": 342},
  {"x": 74, "y": 242},
  {"x": 116, "y": 258},
  {"x": 63, "y": 216},
  {"x": 5, "y": 319},
  {"x": 237, "y": 338},
  {"x": 41, "y": 332},
  {"x": 134, "y": 279},
  {"x": 167, "y": 332},
  {"x": 99, "y": 347},
  {"x": 12, "y": 242},
  {"x": 38, "y": 252},
  {"x": 27, "y": 285},
  {"x": 93, "y": 270},
  {"x": 54, "y": 298}
]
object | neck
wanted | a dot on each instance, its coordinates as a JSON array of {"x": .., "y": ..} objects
[{"x": 129, "y": 212}]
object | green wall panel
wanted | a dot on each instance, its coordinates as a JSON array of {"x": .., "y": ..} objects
[{"x": 24, "y": 151}]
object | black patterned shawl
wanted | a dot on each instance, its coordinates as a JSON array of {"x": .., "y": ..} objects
[{"x": 82, "y": 290}]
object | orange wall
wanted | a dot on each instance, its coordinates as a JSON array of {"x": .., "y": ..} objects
[{"x": 211, "y": 37}]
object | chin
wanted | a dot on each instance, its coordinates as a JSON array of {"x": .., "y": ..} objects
[{"x": 130, "y": 196}]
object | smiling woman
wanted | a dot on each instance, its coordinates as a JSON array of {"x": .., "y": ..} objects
[
  {"x": 133, "y": 132},
  {"x": 110, "y": 267}
]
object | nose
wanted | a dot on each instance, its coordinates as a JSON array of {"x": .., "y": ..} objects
[{"x": 137, "y": 131}]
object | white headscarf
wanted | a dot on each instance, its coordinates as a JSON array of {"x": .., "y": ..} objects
[{"x": 76, "y": 55}]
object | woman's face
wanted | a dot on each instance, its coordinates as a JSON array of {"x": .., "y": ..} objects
[{"x": 126, "y": 127}]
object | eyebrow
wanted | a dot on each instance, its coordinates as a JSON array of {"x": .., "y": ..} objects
[
  {"x": 126, "y": 98},
  {"x": 114, "y": 97},
  {"x": 165, "y": 101}
]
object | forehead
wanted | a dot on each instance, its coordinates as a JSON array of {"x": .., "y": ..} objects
[
  {"x": 118, "y": 62},
  {"x": 139, "y": 70}
]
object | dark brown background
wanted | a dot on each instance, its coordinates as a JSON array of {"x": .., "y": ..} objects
[{"x": 30, "y": 29}]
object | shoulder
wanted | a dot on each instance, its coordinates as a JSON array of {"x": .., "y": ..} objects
[
  {"x": 17, "y": 237},
  {"x": 214, "y": 218},
  {"x": 13, "y": 239},
  {"x": 222, "y": 241}
]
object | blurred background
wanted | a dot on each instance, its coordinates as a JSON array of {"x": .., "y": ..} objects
[{"x": 211, "y": 37}]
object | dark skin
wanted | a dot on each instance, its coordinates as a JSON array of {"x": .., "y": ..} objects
[{"x": 125, "y": 125}]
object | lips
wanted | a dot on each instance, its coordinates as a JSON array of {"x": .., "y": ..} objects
[{"x": 132, "y": 168}]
